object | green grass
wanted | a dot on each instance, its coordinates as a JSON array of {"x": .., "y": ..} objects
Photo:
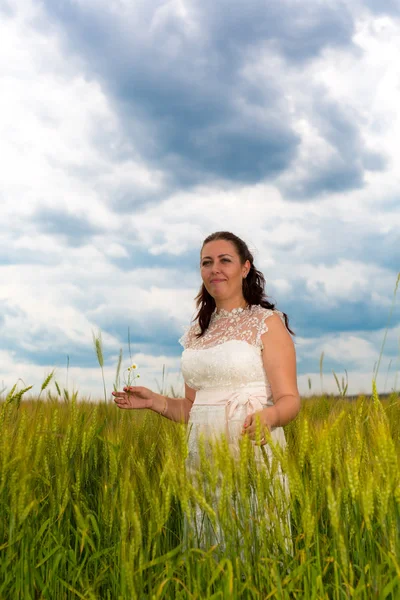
[{"x": 92, "y": 505}]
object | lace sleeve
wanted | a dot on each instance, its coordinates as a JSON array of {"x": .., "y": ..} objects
[
  {"x": 263, "y": 327},
  {"x": 187, "y": 337},
  {"x": 183, "y": 340}
]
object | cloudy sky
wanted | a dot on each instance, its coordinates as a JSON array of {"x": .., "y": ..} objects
[{"x": 130, "y": 131}]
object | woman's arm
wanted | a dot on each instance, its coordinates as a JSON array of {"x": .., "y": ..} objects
[
  {"x": 279, "y": 359},
  {"x": 175, "y": 409}
]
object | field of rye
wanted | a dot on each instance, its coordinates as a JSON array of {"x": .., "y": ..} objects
[{"x": 97, "y": 503}]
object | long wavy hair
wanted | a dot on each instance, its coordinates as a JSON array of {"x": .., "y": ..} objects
[{"x": 253, "y": 285}]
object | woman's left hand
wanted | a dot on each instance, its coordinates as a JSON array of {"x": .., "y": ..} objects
[{"x": 268, "y": 419}]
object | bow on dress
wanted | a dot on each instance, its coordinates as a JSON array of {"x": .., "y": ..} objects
[{"x": 249, "y": 402}]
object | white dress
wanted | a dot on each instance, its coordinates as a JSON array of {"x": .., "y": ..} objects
[{"x": 225, "y": 367}]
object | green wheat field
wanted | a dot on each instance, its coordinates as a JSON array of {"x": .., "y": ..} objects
[
  {"x": 98, "y": 503},
  {"x": 93, "y": 500}
]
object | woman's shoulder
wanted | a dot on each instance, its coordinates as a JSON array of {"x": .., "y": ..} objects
[
  {"x": 261, "y": 317},
  {"x": 264, "y": 313}
]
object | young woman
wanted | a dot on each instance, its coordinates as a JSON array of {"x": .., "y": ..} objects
[{"x": 239, "y": 359}]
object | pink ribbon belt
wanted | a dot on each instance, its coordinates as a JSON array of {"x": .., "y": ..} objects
[{"x": 238, "y": 400}]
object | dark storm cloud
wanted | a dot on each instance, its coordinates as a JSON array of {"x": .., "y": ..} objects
[
  {"x": 341, "y": 128},
  {"x": 300, "y": 30},
  {"x": 380, "y": 249},
  {"x": 308, "y": 318},
  {"x": 138, "y": 258},
  {"x": 337, "y": 176},
  {"x": 183, "y": 97},
  {"x": 344, "y": 169},
  {"x": 76, "y": 230},
  {"x": 187, "y": 99},
  {"x": 58, "y": 358}
]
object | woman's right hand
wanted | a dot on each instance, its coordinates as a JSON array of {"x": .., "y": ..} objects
[{"x": 134, "y": 397}]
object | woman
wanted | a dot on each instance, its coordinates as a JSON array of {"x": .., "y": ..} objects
[{"x": 239, "y": 360}]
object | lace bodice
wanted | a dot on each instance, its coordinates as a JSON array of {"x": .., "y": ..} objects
[{"x": 229, "y": 354}]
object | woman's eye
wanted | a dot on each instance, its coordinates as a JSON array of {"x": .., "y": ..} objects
[{"x": 207, "y": 262}]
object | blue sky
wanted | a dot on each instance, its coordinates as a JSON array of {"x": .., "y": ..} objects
[{"x": 131, "y": 131}]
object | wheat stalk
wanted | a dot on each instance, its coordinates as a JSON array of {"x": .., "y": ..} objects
[
  {"x": 321, "y": 360},
  {"x": 117, "y": 374},
  {"x": 98, "y": 346},
  {"x": 46, "y": 382}
]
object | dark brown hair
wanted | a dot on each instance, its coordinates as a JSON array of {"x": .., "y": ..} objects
[{"x": 253, "y": 285}]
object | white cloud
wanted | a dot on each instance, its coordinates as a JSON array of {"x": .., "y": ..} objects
[
  {"x": 115, "y": 250},
  {"x": 347, "y": 280}
]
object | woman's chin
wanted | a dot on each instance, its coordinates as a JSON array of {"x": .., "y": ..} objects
[{"x": 217, "y": 295}]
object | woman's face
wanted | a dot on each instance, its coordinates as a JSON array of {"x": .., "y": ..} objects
[{"x": 220, "y": 261}]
